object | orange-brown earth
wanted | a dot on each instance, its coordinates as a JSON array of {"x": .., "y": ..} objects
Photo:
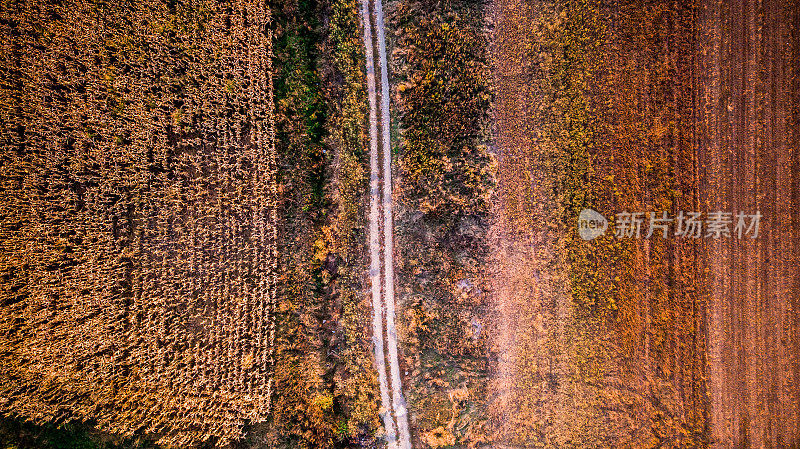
[
  {"x": 748, "y": 86},
  {"x": 645, "y": 106}
]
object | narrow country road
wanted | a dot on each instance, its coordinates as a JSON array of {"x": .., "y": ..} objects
[
  {"x": 374, "y": 231},
  {"x": 382, "y": 287}
]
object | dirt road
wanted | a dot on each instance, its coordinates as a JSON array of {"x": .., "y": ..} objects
[
  {"x": 382, "y": 287},
  {"x": 374, "y": 235}
]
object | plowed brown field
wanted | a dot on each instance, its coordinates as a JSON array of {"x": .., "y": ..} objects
[{"x": 646, "y": 106}]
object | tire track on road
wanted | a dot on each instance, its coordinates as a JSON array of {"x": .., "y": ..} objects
[
  {"x": 398, "y": 401},
  {"x": 374, "y": 233},
  {"x": 383, "y": 284}
]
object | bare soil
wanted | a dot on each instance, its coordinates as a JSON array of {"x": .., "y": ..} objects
[{"x": 654, "y": 342}]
